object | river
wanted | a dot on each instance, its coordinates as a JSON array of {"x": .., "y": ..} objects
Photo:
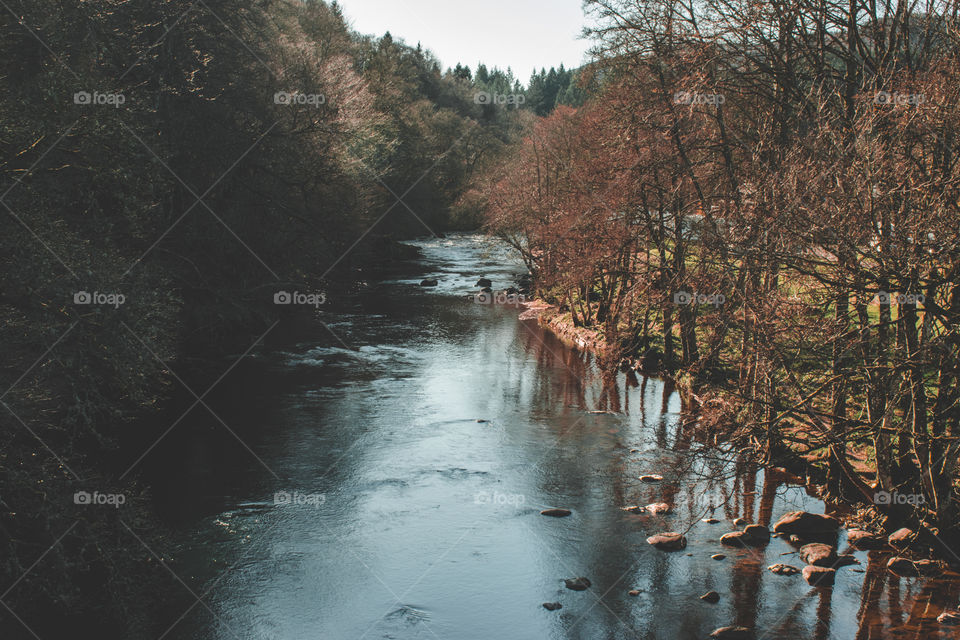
[{"x": 391, "y": 458}]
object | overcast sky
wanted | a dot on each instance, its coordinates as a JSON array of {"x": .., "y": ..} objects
[{"x": 522, "y": 34}]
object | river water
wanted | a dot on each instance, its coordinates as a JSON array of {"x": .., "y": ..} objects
[{"x": 391, "y": 458}]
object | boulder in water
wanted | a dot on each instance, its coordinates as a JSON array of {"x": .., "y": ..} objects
[
  {"x": 668, "y": 541},
  {"x": 901, "y": 538},
  {"x": 658, "y": 508},
  {"x": 577, "y": 584},
  {"x": 807, "y": 525},
  {"x": 819, "y": 554},
  {"x": 756, "y": 534},
  {"x": 733, "y": 539},
  {"x": 865, "y": 540}
]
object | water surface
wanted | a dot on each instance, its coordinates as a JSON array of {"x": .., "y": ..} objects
[{"x": 417, "y": 435}]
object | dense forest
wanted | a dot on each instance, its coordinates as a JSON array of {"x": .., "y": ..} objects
[
  {"x": 167, "y": 168},
  {"x": 763, "y": 199}
]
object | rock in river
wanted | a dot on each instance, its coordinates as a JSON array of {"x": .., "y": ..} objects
[
  {"x": 819, "y": 576},
  {"x": 807, "y": 525},
  {"x": 429, "y": 282},
  {"x": 668, "y": 541},
  {"x": 864, "y": 540},
  {"x": 556, "y": 513},
  {"x": 718, "y": 556},
  {"x": 907, "y": 568},
  {"x": 658, "y": 508},
  {"x": 902, "y": 566},
  {"x": 950, "y": 616},
  {"x": 756, "y": 534},
  {"x": 733, "y": 539},
  {"x": 784, "y": 569},
  {"x": 901, "y": 538},
  {"x": 819, "y": 554},
  {"x": 552, "y": 606},
  {"x": 732, "y": 633},
  {"x": 577, "y": 584},
  {"x": 484, "y": 282},
  {"x": 651, "y": 477},
  {"x": 711, "y": 596}
]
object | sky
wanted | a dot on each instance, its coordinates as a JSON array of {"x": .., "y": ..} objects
[{"x": 522, "y": 34}]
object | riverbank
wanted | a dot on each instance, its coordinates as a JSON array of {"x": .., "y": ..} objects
[
  {"x": 561, "y": 325},
  {"x": 915, "y": 540}
]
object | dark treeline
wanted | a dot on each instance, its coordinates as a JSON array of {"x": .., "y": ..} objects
[
  {"x": 764, "y": 197},
  {"x": 167, "y": 167}
]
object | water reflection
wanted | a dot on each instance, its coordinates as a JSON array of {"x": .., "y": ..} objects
[{"x": 430, "y": 525}]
